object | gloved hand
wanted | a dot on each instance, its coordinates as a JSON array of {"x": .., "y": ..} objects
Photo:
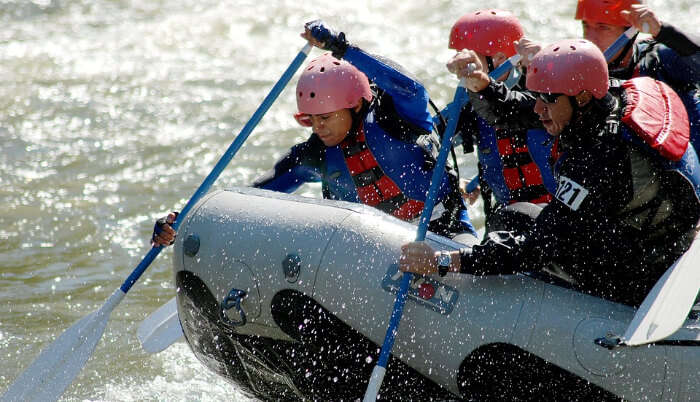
[
  {"x": 327, "y": 38},
  {"x": 163, "y": 233}
]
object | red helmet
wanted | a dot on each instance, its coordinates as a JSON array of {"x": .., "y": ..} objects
[
  {"x": 604, "y": 11},
  {"x": 569, "y": 67},
  {"x": 328, "y": 84},
  {"x": 487, "y": 32}
]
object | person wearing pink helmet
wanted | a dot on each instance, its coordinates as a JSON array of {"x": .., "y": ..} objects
[
  {"x": 628, "y": 195},
  {"x": 513, "y": 163},
  {"x": 372, "y": 140}
]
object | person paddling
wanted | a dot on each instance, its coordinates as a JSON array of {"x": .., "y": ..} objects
[
  {"x": 513, "y": 161},
  {"x": 372, "y": 139},
  {"x": 628, "y": 196}
]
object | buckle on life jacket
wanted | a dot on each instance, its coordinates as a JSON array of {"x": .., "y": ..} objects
[{"x": 613, "y": 127}]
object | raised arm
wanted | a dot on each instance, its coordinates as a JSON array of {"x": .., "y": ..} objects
[{"x": 409, "y": 96}]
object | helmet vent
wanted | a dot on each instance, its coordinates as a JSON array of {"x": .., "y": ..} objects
[
  {"x": 573, "y": 48},
  {"x": 556, "y": 49},
  {"x": 323, "y": 69},
  {"x": 312, "y": 94},
  {"x": 337, "y": 63}
]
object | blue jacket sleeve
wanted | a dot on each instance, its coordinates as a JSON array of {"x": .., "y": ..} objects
[
  {"x": 410, "y": 97},
  {"x": 301, "y": 164}
]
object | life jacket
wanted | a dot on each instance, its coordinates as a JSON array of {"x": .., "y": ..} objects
[
  {"x": 656, "y": 120},
  {"x": 377, "y": 169},
  {"x": 373, "y": 186},
  {"x": 689, "y": 93},
  {"x": 514, "y": 169}
]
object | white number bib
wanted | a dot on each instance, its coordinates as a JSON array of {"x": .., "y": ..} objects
[{"x": 570, "y": 193}]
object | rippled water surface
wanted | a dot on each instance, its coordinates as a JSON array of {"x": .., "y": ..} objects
[{"x": 113, "y": 112}]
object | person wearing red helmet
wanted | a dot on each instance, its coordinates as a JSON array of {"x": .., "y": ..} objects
[
  {"x": 371, "y": 141},
  {"x": 669, "y": 55},
  {"x": 513, "y": 163},
  {"x": 628, "y": 195}
]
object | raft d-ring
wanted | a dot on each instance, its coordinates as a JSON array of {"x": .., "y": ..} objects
[{"x": 233, "y": 299}]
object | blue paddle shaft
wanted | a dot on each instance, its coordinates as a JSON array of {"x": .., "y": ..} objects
[
  {"x": 460, "y": 99},
  {"x": 619, "y": 43},
  {"x": 223, "y": 162}
]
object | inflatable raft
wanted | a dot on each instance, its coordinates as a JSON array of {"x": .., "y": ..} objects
[{"x": 289, "y": 298}]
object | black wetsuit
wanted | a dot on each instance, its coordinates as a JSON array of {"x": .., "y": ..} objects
[{"x": 609, "y": 246}]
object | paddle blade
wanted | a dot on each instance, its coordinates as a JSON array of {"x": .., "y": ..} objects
[
  {"x": 160, "y": 329},
  {"x": 57, "y": 365},
  {"x": 667, "y": 305}
]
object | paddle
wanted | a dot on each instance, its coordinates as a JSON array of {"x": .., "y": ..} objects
[
  {"x": 160, "y": 329},
  {"x": 619, "y": 43},
  {"x": 460, "y": 99},
  {"x": 58, "y": 364}
]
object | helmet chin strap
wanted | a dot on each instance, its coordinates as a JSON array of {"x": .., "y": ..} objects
[
  {"x": 575, "y": 106},
  {"x": 358, "y": 116},
  {"x": 489, "y": 63}
]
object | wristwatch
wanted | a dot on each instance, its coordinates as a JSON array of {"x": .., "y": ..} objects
[{"x": 444, "y": 260}]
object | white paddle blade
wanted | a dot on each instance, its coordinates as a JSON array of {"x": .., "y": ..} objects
[
  {"x": 160, "y": 329},
  {"x": 57, "y": 365},
  {"x": 667, "y": 305}
]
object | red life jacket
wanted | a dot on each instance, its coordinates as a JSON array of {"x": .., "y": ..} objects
[
  {"x": 374, "y": 188},
  {"x": 657, "y": 115},
  {"x": 521, "y": 173}
]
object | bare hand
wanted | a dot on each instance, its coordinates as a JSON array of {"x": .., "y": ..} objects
[
  {"x": 474, "y": 195},
  {"x": 528, "y": 49},
  {"x": 643, "y": 18},
  {"x": 470, "y": 197},
  {"x": 418, "y": 257},
  {"x": 467, "y": 64},
  {"x": 167, "y": 235}
]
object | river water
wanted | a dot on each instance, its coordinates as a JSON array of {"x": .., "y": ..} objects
[{"x": 113, "y": 112}]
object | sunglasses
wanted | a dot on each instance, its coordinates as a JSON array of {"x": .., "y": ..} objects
[{"x": 548, "y": 97}]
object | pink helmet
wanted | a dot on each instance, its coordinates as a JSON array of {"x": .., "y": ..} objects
[
  {"x": 328, "y": 84},
  {"x": 604, "y": 11},
  {"x": 487, "y": 32},
  {"x": 569, "y": 67}
]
